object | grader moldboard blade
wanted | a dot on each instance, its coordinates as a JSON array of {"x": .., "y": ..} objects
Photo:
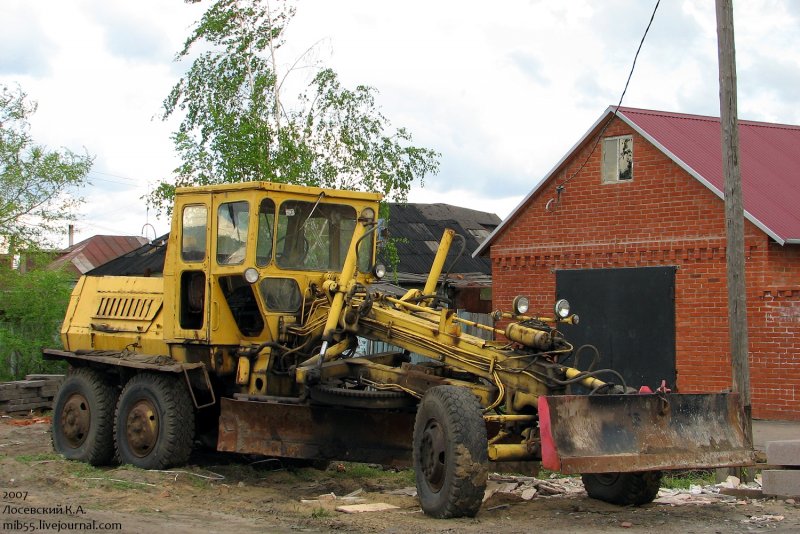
[
  {"x": 293, "y": 430},
  {"x": 627, "y": 433}
]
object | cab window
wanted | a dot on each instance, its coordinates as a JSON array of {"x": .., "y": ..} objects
[
  {"x": 193, "y": 233},
  {"x": 315, "y": 236},
  {"x": 232, "y": 224},
  {"x": 266, "y": 225}
]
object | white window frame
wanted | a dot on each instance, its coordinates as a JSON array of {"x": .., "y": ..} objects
[{"x": 616, "y": 152}]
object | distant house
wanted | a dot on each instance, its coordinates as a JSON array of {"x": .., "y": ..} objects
[
  {"x": 146, "y": 260},
  {"x": 94, "y": 252},
  {"x": 630, "y": 226},
  {"x": 417, "y": 230}
]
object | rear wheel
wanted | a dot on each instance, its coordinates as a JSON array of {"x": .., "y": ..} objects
[
  {"x": 450, "y": 458},
  {"x": 83, "y": 418},
  {"x": 623, "y": 488},
  {"x": 154, "y": 423}
]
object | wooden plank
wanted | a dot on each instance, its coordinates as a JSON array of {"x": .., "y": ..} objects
[{"x": 369, "y": 507}]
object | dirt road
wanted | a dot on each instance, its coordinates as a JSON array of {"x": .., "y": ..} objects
[{"x": 43, "y": 493}]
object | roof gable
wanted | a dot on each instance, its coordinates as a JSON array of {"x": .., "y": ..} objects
[{"x": 769, "y": 158}]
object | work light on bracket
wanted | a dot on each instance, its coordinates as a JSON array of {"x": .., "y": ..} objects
[
  {"x": 562, "y": 308},
  {"x": 520, "y": 305},
  {"x": 379, "y": 271},
  {"x": 367, "y": 215}
]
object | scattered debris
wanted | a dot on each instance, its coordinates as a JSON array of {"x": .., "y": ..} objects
[
  {"x": 370, "y": 507},
  {"x": 352, "y": 498},
  {"x": 766, "y": 518},
  {"x": 525, "y": 488},
  {"x": 745, "y": 493},
  {"x": 29, "y": 421},
  {"x": 408, "y": 492},
  {"x": 682, "y": 497},
  {"x": 508, "y": 489}
]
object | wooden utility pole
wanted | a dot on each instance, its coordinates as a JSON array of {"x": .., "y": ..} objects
[{"x": 734, "y": 210}]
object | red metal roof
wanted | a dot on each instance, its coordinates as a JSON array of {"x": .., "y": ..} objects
[
  {"x": 97, "y": 250},
  {"x": 769, "y": 159}
]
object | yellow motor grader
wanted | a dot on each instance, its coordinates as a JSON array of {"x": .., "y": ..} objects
[{"x": 249, "y": 342}]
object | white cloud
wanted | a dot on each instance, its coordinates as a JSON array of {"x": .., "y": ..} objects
[{"x": 501, "y": 90}]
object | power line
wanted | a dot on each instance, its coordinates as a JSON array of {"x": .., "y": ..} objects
[
  {"x": 115, "y": 175},
  {"x": 613, "y": 116},
  {"x": 95, "y": 178}
]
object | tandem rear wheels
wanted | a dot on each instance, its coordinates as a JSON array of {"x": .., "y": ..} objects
[
  {"x": 150, "y": 424},
  {"x": 623, "y": 489}
]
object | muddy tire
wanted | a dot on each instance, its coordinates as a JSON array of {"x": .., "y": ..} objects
[
  {"x": 450, "y": 458},
  {"x": 154, "y": 422},
  {"x": 623, "y": 488},
  {"x": 83, "y": 418}
]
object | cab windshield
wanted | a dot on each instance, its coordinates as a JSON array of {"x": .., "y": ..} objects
[{"x": 311, "y": 236}]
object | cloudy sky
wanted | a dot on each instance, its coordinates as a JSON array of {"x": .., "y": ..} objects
[{"x": 501, "y": 89}]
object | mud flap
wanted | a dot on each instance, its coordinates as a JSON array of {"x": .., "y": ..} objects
[
  {"x": 627, "y": 433},
  {"x": 293, "y": 430}
]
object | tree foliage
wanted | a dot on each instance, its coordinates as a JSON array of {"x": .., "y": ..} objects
[
  {"x": 35, "y": 182},
  {"x": 32, "y": 307},
  {"x": 237, "y": 125}
]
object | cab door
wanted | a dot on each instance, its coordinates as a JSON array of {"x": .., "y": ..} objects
[
  {"x": 235, "y": 314},
  {"x": 186, "y": 294}
]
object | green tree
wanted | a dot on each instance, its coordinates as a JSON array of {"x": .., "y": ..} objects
[
  {"x": 37, "y": 185},
  {"x": 238, "y": 127},
  {"x": 32, "y": 309}
]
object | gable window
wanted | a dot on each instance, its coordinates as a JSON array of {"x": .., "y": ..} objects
[{"x": 617, "y": 159}]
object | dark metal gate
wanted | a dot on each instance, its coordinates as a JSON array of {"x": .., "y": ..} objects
[{"x": 629, "y": 315}]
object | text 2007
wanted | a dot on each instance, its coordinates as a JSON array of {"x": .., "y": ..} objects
[{"x": 15, "y": 495}]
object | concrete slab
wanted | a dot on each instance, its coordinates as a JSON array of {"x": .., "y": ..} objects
[
  {"x": 784, "y": 483},
  {"x": 765, "y": 431},
  {"x": 784, "y": 452}
]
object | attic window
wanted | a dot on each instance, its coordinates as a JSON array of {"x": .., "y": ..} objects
[{"x": 617, "y": 159}]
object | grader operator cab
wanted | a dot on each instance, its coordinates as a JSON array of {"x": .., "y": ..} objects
[{"x": 249, "y": 342}]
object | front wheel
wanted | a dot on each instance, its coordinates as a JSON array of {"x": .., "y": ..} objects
[
  {"x": 83, "y": 417},
  {"x": 450, "y": 457},
  {"x": 623, "y": 488},
  {"x": 154, "y": 423}
]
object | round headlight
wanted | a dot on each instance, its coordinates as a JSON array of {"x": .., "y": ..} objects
[
  {"x": 520, "y": 305},
  {"x": 562, "y": 308},
  {"x": 251, "y": 275},
  {"x": 379, "y": 271},
  {"x": 367, "y": 214}
]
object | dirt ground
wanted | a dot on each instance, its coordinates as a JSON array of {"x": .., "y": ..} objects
[{"x": 222, "y": 493}]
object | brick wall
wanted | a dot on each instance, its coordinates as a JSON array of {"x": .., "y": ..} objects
[{"x": 663, "y": 217}]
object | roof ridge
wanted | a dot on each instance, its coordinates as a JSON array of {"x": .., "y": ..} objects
[{"x": 707, "y": 118}]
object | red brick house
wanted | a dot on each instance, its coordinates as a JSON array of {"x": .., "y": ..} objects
[{"x": 630, "y": 226}]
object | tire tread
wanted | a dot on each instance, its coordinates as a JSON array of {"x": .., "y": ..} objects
[
  {"x": 99, "y": 447},
  {"x": 465, "y": 420},
  {"x": 178, "y": 429}
]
